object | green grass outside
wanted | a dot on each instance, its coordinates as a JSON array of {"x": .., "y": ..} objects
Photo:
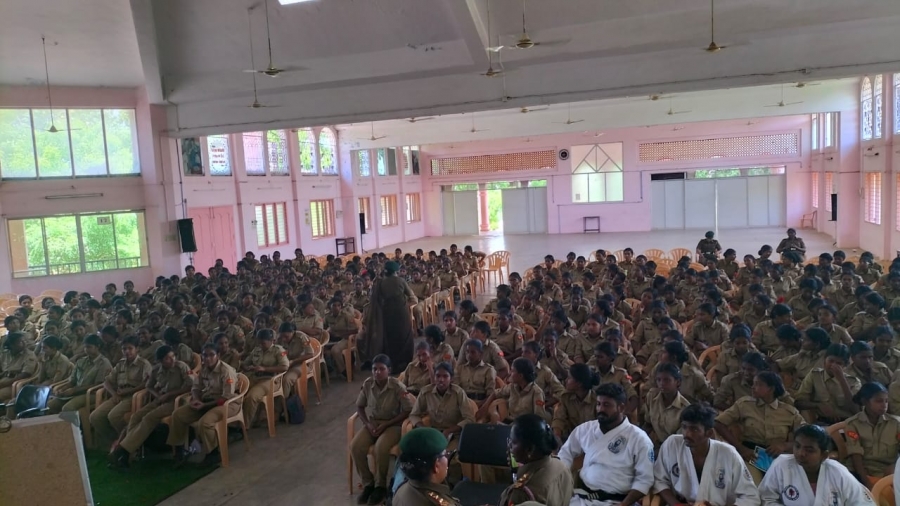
[{"x": 146, "y": 483}]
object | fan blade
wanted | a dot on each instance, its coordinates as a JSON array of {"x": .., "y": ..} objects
[
  {"x": 416, "y": 120},
  {"x": 553, "y": 43},
  {"x": 793, "y": 103},
  {"x": 497, "y": 49},
  {"x": 780, "y": 104}
]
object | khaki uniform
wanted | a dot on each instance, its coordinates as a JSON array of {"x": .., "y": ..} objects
[
  {"x": 677, "y": 310},
  {"x": 646, "y": 335},
  {"x": 148, "y": 352},
  {"x": 558, "y": 364},
  {"x": 468, "y": 323},
  {"x": 25, "y": 362},
  {"x": 619, "y": 376},
  {"x": 799, "y": 307},
  {"x": 146, "y": 419},
  {"x": 571, "y": 412},
  {"x": 381, "y": 404},
  {"x": 211, "y": 385},
  {"x": 574, "y": 346},
  {"x": 509, "y": 341},
  {"x": 801, "y": 363},
  {"x": 420, "y": 493},
  {"x": 878, "y": 444},
  {"x": 108, "y": 418},
  {"x": 422, "y": 290},
  {"x": 492, "y": 355},
  {"x": 457, "y": 339},
  {"x": 309, "y": 322},
  {"x": 359, "y": 301},
  {"x": 880, "y": 373},
  {"x": 711, "y": 335},
  {"x": 55, "y": 369},
  {"x": 545, "y": 481},
  {"x": 890, "y": 359},
  {"x": 232, "y": 358},
  {"x": 819, "y": 386},
  {"x": 340, "y": 324},
  {"x": 235, "y": 336},
  {"x": 847, "y": 313},
  {"x": 477, "y": 381},
  {"x": 523, "y": 401},
  {"x": 87, "y": 372},
  {"x": 730, "y": 268},
  {"x": 548, "y": 382},
  {"x": 260, "y": 386},
  {"x": 694, "y": 386},
  {"x": 838, "y": 334},
  {"x": 416, "y": 377},
  {"x": 730, "y": 362},
  {"x": 665, "y": 420},
  {"x": 445, "y": 411},
  {"x": 762, "y": 423},
  {"x": 298, "y": 347},
  {"x": 443, "y": 353},
  {"x": 862, "y": 323},
  {"x": 530, "y": 316}
]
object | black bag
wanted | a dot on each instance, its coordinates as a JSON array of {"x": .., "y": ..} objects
[{"x": 295, "y": 410}]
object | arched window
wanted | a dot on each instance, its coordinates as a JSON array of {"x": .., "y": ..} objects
[
  {"x": 306, "y": 147},
  {"x": 879, "y": 105},
  {"x": 865, "y": 101},
  {"x": 327, "y": 149}
]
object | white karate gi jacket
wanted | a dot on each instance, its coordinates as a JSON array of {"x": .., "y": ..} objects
[
  {"x": 725, "y": 479},
  {"x": 615, "y": 462},
  {"x": 785, "y": 483}
]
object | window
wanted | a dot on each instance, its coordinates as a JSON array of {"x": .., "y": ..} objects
[
  {"x": 76, "y": 243},
  {"x": 830, "y": 129},
  {"x": 865, "y": 100},
  {"x": 814, "y": 132},
  {"x": 829, "y": 190},
  {"x": 85, "y": 143},
  {"x": 879, "y": 106},
  {"x": 191, "y": 159},
  {"x": 363, "y": 163},
  {"x": 388, "y": 210},
  {"x": 276, "y": 147},
  {"x": 413, "y": 207},
  {"x": 411, "y": 161},
  {"x": 269, "y": 157},
  {"x": 598, "y": 173},
  {"x": 327, "y": 147},
  {"x": 254, "y": 163},
  {"x": 897, "y": 217},
  {"x": 321, "y": 218},
  {"x": 386, "y": 162},
  {"x": 306, "y": 146},
  {"x": 219, "y": 155},
  {"x": 271, "y": 224},
  {"x": 736, "y": 172},
  {"x": 896, "y": 103},
  {"x": 815, "y": 190},
  {"x": 362, "y": 206},
  {"x": 873, "y": 198}
]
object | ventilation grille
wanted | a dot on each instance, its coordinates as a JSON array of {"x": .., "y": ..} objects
[
  {"x": 507, "y": 162},
  {"x": 727, "y": 147}
]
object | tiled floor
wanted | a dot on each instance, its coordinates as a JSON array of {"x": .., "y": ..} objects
[{"x": 306, "y": 464}]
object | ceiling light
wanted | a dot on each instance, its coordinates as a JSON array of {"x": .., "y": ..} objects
[{"x": 289, "y": 2}]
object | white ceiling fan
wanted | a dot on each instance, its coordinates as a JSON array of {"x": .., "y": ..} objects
[
  {"x": 524, "y": 41},
  {"x": 782, "y": 103},
  {"x": 373, "y": 138},
  {"x": 568, "y": 121},
  {"x": 491, "y": 71},
  {"x": 672, "y": 111},
  {"x": 53, "y": 129},
  {"x": 803, "y": 84},
  {"x": 476, "y": 130},
  {"x": 713, "y": 47},
  {"x": 271, "y": 70},
  {"x": 416, "y": 120},
  {"x": 526, "y": 110},
  {"x": 256, "y": 104}
]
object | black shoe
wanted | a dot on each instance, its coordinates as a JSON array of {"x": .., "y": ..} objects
[
  {"x": 378, "y": 495},
  {"x": 118, "y": 459},
  {"x": 366, "y": 493}
]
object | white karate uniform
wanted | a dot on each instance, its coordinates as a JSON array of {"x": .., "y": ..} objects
[
  {"x": 725, "y": 478},
  {"x": 615, "y": 462},
  {"x": 897, "y": 483},
  {"x": 786, "y": 483}
]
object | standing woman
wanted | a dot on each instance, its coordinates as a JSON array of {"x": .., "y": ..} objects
[
  {"x": 541, "y": 477},
  {"x": 388, "y": 325}
]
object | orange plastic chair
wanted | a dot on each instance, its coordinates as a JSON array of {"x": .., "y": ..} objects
[
  {"x": 883, "y": 491},
  {"x": 711, "y": 354},
  {"x": 222, "y": 425},
  {"x": 677, "y": 253},
  {"x": 654, "y": 254},
  {"x": 309, "y": 370}
]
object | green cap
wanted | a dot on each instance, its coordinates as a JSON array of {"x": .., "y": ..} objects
[
  {"x": 392, "y": 266},
  {"x": 423, "y": 442}
]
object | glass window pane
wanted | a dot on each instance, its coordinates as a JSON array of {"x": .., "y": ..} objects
[
  {"x": 219, "y": 155},
  {"x": 380, "y": 163},
  {"x": 614, "y": 151},
  {"x": 596, "y": 187},
  {"x": 98, "y": 238},
  {"x": 130, "y": 246},
  {"x": 615, "y": 188},
  {"x": 276, "y": 147},
  {"x": 391, "y": 161},
  {"x": 306, "y": 144},
  {"x": 254, "y": 163},
  {"x": 88, "y": 151},
  {"x": 62, "y": 247},
  {"x": 26, "y": 245},
  {"x": 579, "y": 188},
  {"x": 363, "y": 163},
  {"x": 54, "y": 157},
  {"x": 16, "y": 144},
  {"x": 270, "y": 224},
  {"x": 281, "y": 223},
  {"x": 121, "y": 141},
  {"x": 191, "y": 156},
  {"x": 327, "y": 146},
  {"x": 260, "y": 227}
]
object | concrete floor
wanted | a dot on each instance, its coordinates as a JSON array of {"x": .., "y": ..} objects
[{"x": 306, "y": 464}]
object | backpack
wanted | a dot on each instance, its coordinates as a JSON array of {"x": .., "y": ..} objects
[{"x": 295, "y": 410}]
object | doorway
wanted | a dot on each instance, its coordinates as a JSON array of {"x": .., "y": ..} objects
[{"x": 495, "y": 208}]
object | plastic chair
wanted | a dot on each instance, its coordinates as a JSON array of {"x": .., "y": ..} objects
[
  {"x": 808, "y": 220},
  {"x": 677, "y": 253},
  {"x": 836, "y": 432},
  {"x": 197, "y": 364},
  {"x": 493, "y": 269},
  {"x": 489, "y": 318},
  {"x": 323, "y": 366},
  {"x": 222, "y": 425},
  {"x": 276, "y": 389},
  {"x": 351, "y": 432},
  {"x": 30, "y": 402},
  {"x": 654, "y": 254},
  {"x": 349, "y": 352},
  {"x": 17, "y": 385},
  {"x": 883, "y": 491},
  {"x": 619, "y": 254},
  {"x": 711, "y": 354},
  {"x": 503, "y": 256},
  {"x": 485, "y": 445},
  {"x": 309, "y": 370}
]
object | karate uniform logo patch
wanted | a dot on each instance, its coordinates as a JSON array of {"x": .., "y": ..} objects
[
  {"x": 676, "y": 471},
  {"x": 720, "y": 478},
  {"x": 791, "y": 493},
  {"x": 617, "y": 445}
]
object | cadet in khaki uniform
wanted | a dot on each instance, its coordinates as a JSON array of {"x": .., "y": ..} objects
[
  {"x": 298, "y": 349},
  {"x": 233, "y": 332},
  {"x": 521, "y": 393},
  {"x": 422, "y": 289},
  {"x": 883, "y": 349},
  {"x": 738, "y": 384},
  {"x": 418, "y": 373},
  {"x": 226, "y": 353},
  {"x": 382, "y": 405},
  {"x": 90, "y": 370},
  {"x": 507, "y": 337},
  {"x": 707, "y": 329},
  {"x": 309, "y": 322},
  {"x": 553, "y": 358},
  {"x": 127, "y": 377},
  {"x": 863, "y": 365},
  {"x": 577, "y": 404},
  {"x": 813, "y": 344},
  {"x": 453, "y": 335},
  {"x": 604, "y": 357},
  {"x": 541, "y": 477},
  {"x": 265, "y": 361},
  {"x": 544, "y": 377},
  {"x": 424, "y": 460},
  {"x": 55, "y": 366},
  {"x": 216, "y": 384},
  {"x": 475, "y": 377},
  {"x": 340, "y": 326},
  {"x": 169, "y": 379},
  {"x": 16, "y": 362},
  {"x": 873, "y": 436},
  {"x": 829, "y": 391},
  {"x": 440, "y": 351},
  {"x": 871, "y": 316},
  {"x": 569, "y": 342},
  {"x": 661, "y": 412},
  {"x": 492, "y": 355}
]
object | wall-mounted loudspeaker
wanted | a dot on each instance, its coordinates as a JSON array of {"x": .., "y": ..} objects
[
  {"x": 186, "y": 235},
  {"x": 563, "y": 154},
  {"x": 362, "y": 223},
  {"x": 833, "y": 198}
]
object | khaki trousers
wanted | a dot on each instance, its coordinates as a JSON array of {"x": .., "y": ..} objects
[
  {"x": 290, "y": 380},
  {"x": 74, "y": 404},
  {"x": 359, "y": 450},
  {"x": 255, "y": 396},
  {"x": 109, "y": 418},
  {"x": 143, "y": 422},
  {"x": 184, "y": 416},
  {"x": 337, "y": 354}
]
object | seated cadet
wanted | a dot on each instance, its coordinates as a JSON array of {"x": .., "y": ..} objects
[
  {"x": 168, "y": 379},
  {"x": 126, "y": 377},
  {"x": 340, "y": 327},
  {"x": 646, "y": 333},
  {"x": 707, "y": 329},
  {"x": 694, "y": 385},
  {"x": 521, "y": 394},
  {"x": 568, "y": 341},
  {"x": 507, "y": 337},
  {"x": 55, "y": 366},
  {"x": 419, "y": 372},
  {"x": 595, "y": 327},
  {"x": 765, "y": 337},
  {"x": 578, "y": 403},
  {"x": 476, "y": 378},
  {"x": 871, "y": 316},
  {"x": 755, "y": 311},
  {"x": 234, "y": 333},
  {"x": 17, "y": 362},
  {"x": 764, "y": 420},
  {"x": 812, "y": 316},
  {"x": 576, "y": 309},
  {"x": 809, "y": 289},
  {"x": 382, "y": 406},
  {"x": 215, "y": 384},
  {"x": 603, "y": 362},
  {"x": 491, "y": 352},
  {"x": 664, "y": 403},
  {"x": 883, "y": 348},
  {"x": 299, "y": 350},
  {"x": 425, "y": 462},
  {"x": 13, "y": 323},
  {"x": 808, "y": 477},
  {"x": 813, "y": 343},
  {"x": 90, "y": 370},
  {"x": 503, "y": 292},
  {"x": 827, "y": 392},
  {"x": 618, "y": 456},
  {"x": 468, "y": 315},
  {"x": 440, "y": 351},
  {"x": 694, "y": 468},
  {"x": 863, "y": 365},
  {"x": 183, "y": 352},
  {"x": 226, "y": 353},
  {"x": 624, "y": 358},
  {"x": 447, "y": 408},
  {"x": 309, "y": 321},
  {"x": 544, "y": 377},
  {"x": 873, "y": 436},
  {"x": 730, "y": 360},
  {"x": 674, "y": 306},
  {"x": 826, "y": 316},
  {"x": 264, "y": 361},
  {"x": 193, "y": 336},
  {"x": 541, "y": 478},
  {"x": 146, "y": 345},
  {"x": 552, "y": 357},
  {"x": 454, "y": 336},
  {"x": 739, "y": 384},
  {"x": 849, "y": 311}
]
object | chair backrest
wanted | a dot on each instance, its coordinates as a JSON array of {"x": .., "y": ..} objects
[
  {"x": 711, "y": 354},
  {"x": 677, "y": 253},
  {"x": 654, "y": 253},
  {"x": 484, "y": 444},
  {"x": 32, "y": 396},
  {"x": 883, "y": 491},
  {"x": 317, "y": 348},
  {"x": 835, "y": 431},
  {"x": 243, "y": 384}
]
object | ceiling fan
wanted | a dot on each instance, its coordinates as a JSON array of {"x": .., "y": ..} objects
[
  {"x": 373, "y": 138},
  {"x": 416, "y": 120},
  {"x": 256, "y": 104},
  {"x": 782, "y": 103},
  {"x": 491, "y": 71},
  {"x": 52, "y": 128},
  {"x": 476, "y": 130},
  {"x": 568, "y": 121},
  {"x": 271, "y": 70},
  {"x": 525, "y": 41},
  {"x": 713, "y": 47},
  {"x": 658, "y": 96},
  {"x": 672, "y": 111},
  {"x": 802, "y": 84},
  {"x": 526, "y": 110}
]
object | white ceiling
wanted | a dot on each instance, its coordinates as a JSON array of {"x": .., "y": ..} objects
[{"x": 383, "y": 59}]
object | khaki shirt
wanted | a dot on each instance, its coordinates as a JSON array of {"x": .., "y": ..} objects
[
  {"x": 444, "y": 411},
  {"x": 55, "y": 369},
  {"x": 819, "y": 386},
  {"x": 694, "y": 386},
  {"x": 677, "y": 310},
  {"x": 90, "y": 372},
  {"x": 469, "y": 323},
  {"x": 384, "y": 403},
  {"x": 234, "y": 333},
  {"x": 457, "y": 339},
  {"x": 847, "y": 313},
  {"x": 558, "y": 364},
  {"x": 443, "y": 353},
  {"x": 544, "y": 481},
  {"x": 801, "y": 363},
  {"x": 274, "y": 356},
  {"x": 531, "y": 316},
  {"x": 890, "y": 359},
  {"x": 220, "y": 381},
  {"x": 878, "y": 444},
  {"x": 299, "y": 346},
  {"x": 620, "y": 376},
  {"x": 342, "y": 323},
  {"x": 764, "y": 336},
  {"x": 548, "y": 382},
  {"x": 880, "y": 373},
  {"x": 232, "y": 358},
  {"x": 170, "y": 380},
  {"x": 359, "y": 301},
  {"x": 573, "y": 345},
  {"x": 730, "y": 362},
  {"x": 646, "y": 335},
  {"x": 762, "y": 423},
  {"x": 416, "y": 377},
  {"x": 665, "y": 420},
  {"x": 309, "y": 322},
  {"x": 571, "y": 412},
  {"x": 478, "y": 381},
  {"x": 509, "y": 341},
  {"x": 420, "y": 493},
  {"x": 492, "y": 355},
  {"x": 24, "y": 362},
  {"x": 862, "y": 323},
  {"x": 838, "y": 334},
  {"x": 148, "y": 352},
  {"x": 711, "y": 335},
  {"x": 125, "y": 375},
  {"x": 523, "y": 401}
]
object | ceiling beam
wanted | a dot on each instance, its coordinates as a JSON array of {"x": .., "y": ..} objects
[
  {"x": 145, "y": 30},
  {"x": 472, "y": 28}
]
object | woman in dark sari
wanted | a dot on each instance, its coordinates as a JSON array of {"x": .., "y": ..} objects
[{"x": 388, "y": 324}]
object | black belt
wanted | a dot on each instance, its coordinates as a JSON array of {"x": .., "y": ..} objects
[
  {"x": 601, "y": 495},
  {"x": 477, "y": 397}
]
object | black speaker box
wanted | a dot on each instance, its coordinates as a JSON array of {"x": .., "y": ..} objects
[
  {"x": 833, "y": 197},
  {"x": 362, "y": 223},
  {"x": 186, "y": 235}
]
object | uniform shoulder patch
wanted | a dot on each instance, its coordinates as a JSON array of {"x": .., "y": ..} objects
[{"x": 853, "y": 435}]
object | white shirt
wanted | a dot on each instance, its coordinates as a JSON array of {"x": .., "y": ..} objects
[
  {"x": 786, "y": 484},
  {"x": 615, "y": 462},
  {"x": 725, "y": 478}
]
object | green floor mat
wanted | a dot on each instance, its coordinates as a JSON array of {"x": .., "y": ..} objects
[{"x": 145, "y": 483}]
